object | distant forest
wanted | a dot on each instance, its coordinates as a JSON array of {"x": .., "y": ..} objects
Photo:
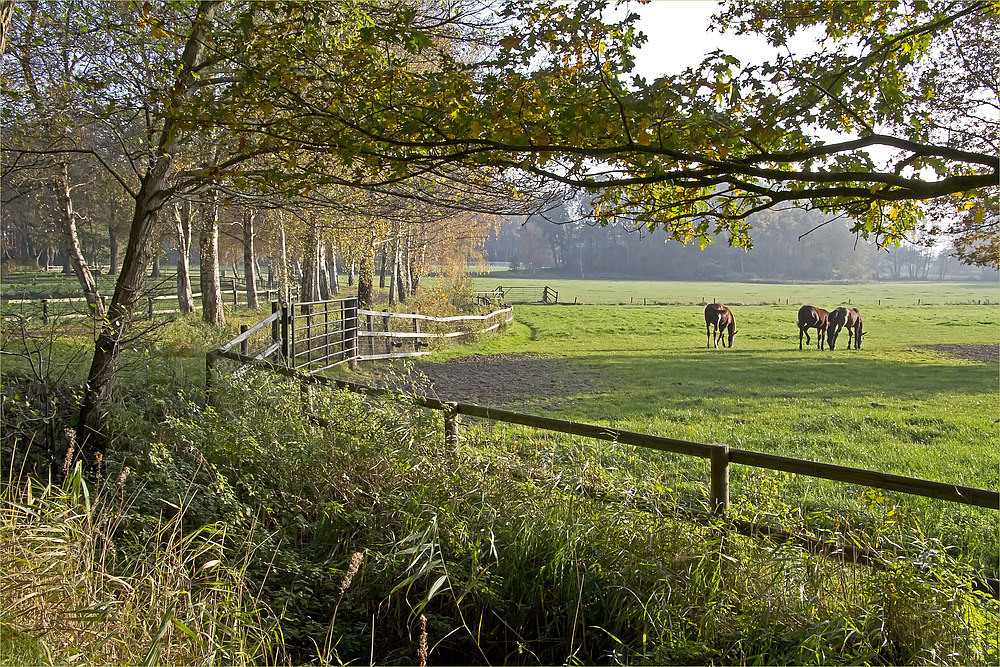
[{"x": 792, "y": 245}]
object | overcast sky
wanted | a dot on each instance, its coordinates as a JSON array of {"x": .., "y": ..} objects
[{"x": 679, "y": 37}]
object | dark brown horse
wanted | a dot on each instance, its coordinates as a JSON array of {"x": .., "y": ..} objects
[
  {"x": 845, "y": 318},
  {"x": 854, "y": 328},
  {"x": 720, "y": 317},
  {"x": 811, "y": 317}
]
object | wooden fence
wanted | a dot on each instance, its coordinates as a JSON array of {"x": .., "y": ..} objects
[
  {"x": 311, "y": 337},
  {"x": 720, "y": 456},
  {"x": 233, "y": 292},
  {"x": 521, "y": 294}
]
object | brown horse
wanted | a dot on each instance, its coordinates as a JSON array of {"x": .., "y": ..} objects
[
  {"x": 720, "y": 317},
  {"x": 811, "y": 317},
  {"x": 842, "y": 318},
  {"x": 854, "y": 328}
]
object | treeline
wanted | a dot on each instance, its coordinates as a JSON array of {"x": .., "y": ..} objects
[{"x": 792, "y": 244}]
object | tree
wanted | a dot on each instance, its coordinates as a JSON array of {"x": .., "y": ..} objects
[{"x": 300, "y": 96}]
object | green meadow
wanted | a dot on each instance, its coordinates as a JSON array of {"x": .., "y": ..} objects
[
  {"x": 895, "y": 406},
  {"x": 632, "y": 292},
  {"x": 358, "y": 540}
]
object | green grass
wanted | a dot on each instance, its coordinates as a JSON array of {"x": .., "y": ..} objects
[
  {"x": 632, "y": 292},
  {"x": 521, "y": 546},
  {"x": 892, "y": 407}
]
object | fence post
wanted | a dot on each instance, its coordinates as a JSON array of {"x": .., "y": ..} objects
[
  {"x": 371, "y": 338},
  {"x": 275, "y": 327},
  {"x": 285, "y": 333},
  {"x": 245, "y": 345},
  {"x": 451, "y": 421},
  {"x": 719, "y": 488},
  {"x": 210, "y": 379},
  {"x": 388, "y": 340},
  {"x": 352, "y": 336},
  {"x": 45, "y": 310},
  {"x": 416, "y": 330},
  {"x": 306, "y": 310}
]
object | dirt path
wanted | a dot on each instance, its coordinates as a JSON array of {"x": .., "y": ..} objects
[{"x": 987, "y": 354}]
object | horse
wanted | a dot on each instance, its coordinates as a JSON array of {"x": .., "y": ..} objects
[
  {"x": 722, "y": 319},
  {"x": 854, "y": 328},
  {"x": 811, "y": 317},
  {"x": 848, "y": 318}
]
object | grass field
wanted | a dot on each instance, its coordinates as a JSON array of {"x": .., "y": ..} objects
[
  {"x": 519, "y": 546},
  {"x": 893, "y": 406},
  {"x": 632, "y": 292}
]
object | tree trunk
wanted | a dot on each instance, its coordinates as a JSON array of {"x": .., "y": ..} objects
[
  {"x": 310, "y": 267},
  {"x": 155, "y": 272},
  {"x": 185, "y": 296},
  {"x": 113, "y": 246},
  {"x": 399, "y": 266},
  {"x": 334, "y": 277},
  {"x": 323, "y": 273},
  {"x": 73, "y": 252},
  {"x": 351, "y": 273},
  {"x": 138, "y": 253},
  {"x": 382, "y": 261},
  {"x": 250, "y": 259},
  {"x": 366, "y": 277},
  {"x": 208, "y": 245},
  {"x": 285, "y": 284},
  {"x": 393, "y": 260}
]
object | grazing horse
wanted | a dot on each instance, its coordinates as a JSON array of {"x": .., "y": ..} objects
[
  {"x": 811, "y": 317},
  {"x": 854, "y": 328},
  {"x": 720, "y": 317},
  {"x": 848, "y": 318}
]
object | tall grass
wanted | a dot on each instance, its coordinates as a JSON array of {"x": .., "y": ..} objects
[
  {"x": 370, "y": 540},
  {"x": 76, "y": 586}
]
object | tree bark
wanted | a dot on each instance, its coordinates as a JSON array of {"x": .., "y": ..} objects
[
  {"x": 212, "y": 311},
  {"x": 382, "y": 261},
  {"x": 72, "y": 243},
  {"x": 393, "y": 252},
  {"x": 113, "y": 246},
  {"x": 323, "y": 272},
  {"x": 152, "y": 193},
  {"x": 249, "y": 258},
  {"x": 185, "y": 296},
  {"x": 334, "y": 277},
  {"x": 366, "y": 277}
]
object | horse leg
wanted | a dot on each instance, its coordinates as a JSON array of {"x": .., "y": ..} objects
[{"x": 708, "y": 332}]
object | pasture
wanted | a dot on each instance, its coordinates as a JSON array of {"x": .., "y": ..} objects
[
  {"x": 895, "y": 406},
  {"x": 633, "y": 292}
]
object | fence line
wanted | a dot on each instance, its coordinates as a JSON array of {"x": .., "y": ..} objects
[{"x": 719, "y": 455}]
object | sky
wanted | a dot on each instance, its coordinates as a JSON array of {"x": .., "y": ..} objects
[{"x": 679, "y": 37}]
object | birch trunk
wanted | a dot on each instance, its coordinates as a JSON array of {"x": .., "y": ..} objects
[
  {"x": 366, "y": 276},
  {"x": 182, "y": 219},
  {"x": 212, "y": 311},
  {"x": 334, "y": 277},
  {"x": 250, "y": 258},
  {"x": 73, "y": 252}
]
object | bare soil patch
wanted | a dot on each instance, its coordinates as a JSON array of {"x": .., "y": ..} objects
[
  {"x": 987, "y": 354},
  {"x": 506, "y": 380}
]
